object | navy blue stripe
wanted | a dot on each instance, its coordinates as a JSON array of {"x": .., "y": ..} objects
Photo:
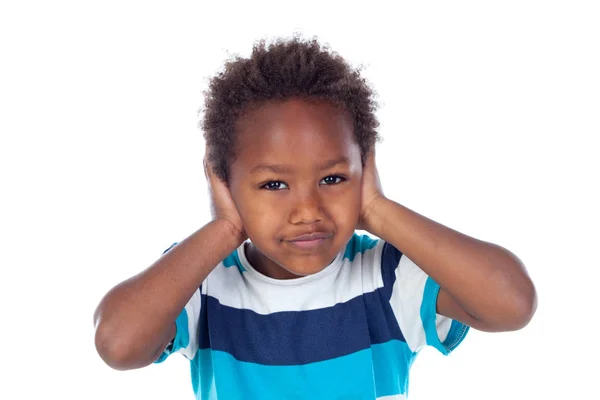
[
  {"x": 299, "y": 337},
  {"x": 203, "y": 326},
  {"x": 170, "y": 247},
  {"x": 390, "y": 258},
  {"x": 381, "y": 320},
  {"x": 290, "y": 337},
  {"x": 383, "y": 324}
]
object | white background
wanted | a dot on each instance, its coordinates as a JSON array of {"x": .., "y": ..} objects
[{"x": 490, "y": 114}]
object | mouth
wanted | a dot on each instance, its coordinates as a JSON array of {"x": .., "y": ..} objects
[{"x": 309, "y": 241}]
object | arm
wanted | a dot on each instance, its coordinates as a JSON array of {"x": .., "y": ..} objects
[
  {"x": 135, "y": 320},
  {"x": 481, "y": 284}
]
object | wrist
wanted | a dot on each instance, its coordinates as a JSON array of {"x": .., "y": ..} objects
[
  {"x": 374, "y": 216},
  {"x": 231, "y": 230}
]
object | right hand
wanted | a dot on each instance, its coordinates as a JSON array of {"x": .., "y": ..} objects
[{"x": 221, "y": 203}]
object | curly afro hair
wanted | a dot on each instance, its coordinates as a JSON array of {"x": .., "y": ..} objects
[{"x": 284, "y": 69}]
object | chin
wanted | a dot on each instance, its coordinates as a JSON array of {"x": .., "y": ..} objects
[
  {"x": 304, "y": 271},
  {"x": 300, "y": 267}
]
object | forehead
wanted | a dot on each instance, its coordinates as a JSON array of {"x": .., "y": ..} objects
[{"x": 296, "y": 132}]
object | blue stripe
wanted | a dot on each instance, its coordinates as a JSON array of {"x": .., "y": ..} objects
[
  {"x": 170, "y": 247},
  {"x": 457, "y": 333},
  {"x": 203, "y": 377},
  {"x": 299, "y": 337},
  {"x": 428, "y": 313},
  {"x": 203, "y": 326},
  {"x": 283, "y": 338},
  {"x": 428, "y": 318},
  {"x": 350, "y": 377},
  {"x": 381, "y": 320},
  {"x": 356, "y": 244},
  {"x": 390, "y": 258},
  {"x": 359, "y": 244},
  {"x": 163, "y": 356},
  {"x": 182, "y": 337},
  {"x": 391, "y": 363},
  {"x": 288, "y": 338},
  {"x": 234, "y": 260},
  {"x": 379, "y": 371}
]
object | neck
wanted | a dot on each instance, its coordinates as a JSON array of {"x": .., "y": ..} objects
[{"x": 265, "y": 265}]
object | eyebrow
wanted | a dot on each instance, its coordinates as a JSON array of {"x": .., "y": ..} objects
[{"x": 286, "y": 169}]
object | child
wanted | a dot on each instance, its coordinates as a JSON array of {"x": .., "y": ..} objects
[{"x": 278, "y": 297}]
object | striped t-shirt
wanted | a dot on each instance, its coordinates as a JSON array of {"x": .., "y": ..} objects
[{"x": 350, "y": 331}]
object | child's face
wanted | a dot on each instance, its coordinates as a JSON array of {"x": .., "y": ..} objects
[{"x": 298, "y": 197}]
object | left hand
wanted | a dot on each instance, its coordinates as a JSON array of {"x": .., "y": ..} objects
[{"x": 371, "y": 193}]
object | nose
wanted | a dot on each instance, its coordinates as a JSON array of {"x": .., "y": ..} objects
[{"x": 307, "y": 207}]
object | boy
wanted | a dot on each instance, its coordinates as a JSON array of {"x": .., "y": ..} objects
[{"x": 278, "y": 297}]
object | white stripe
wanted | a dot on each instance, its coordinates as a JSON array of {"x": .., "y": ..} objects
[
  {"x": 192, "y": 308},
  {"x": 406, "y": 300},
  {"x": 345, "y": 281},
  {"x": 443, "y": 325}
]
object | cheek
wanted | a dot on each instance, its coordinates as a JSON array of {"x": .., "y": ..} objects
[
  {"x": 258, "y": 215},
  {"x": 347, "y": 208},
  {"x": 265, "y": 215}
]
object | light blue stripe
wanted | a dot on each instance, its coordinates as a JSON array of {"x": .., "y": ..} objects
[
  {"x": 428, "y": 318},
  {"x": 359, "y": 244},
  {"x": 162, "y": 357},
  {"x": 343, "y": 377},
  {"x": 457, "y": 333},
  {"x": 233, "y": 260},
  {"x": 203, "y": 378},
  {"x": 428, "y": 311},
  {"x": 353, "y": 376},
  {"x": 182, "y": 338},
  {"x": 391, "y": 363}
]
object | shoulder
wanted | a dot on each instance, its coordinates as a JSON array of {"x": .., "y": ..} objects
[
  {"x": 229, "y": 272},
  {"x": 379, "y": 260},
  {"x": 360, "y": 244},
  {"x": 370, "y": 250},
  {"x": 362, "y": 261}
]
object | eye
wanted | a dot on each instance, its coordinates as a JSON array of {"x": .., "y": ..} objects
[
  {"x": 273, "y": 185},
  {"x": 333, "y": 179}
]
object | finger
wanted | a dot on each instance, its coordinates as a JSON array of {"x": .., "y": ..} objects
[
  {"x": 204, "y": 163},
  {"x": 371, "y": 156},
  {"x": 205, "y": 160}
]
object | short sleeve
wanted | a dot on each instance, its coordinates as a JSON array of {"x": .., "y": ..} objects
[
  {"x": 413, "y": 300},
  {"x": 186, "y": 337}
]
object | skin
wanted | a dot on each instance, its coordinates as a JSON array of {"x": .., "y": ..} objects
[
  {"x": 312, "y": 194},
  {"x": 481, "y": 284}
]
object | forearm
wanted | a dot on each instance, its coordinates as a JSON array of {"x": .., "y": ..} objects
[
  {"x": 136, "y": 318},
  {"x": 487, "y": 281}
]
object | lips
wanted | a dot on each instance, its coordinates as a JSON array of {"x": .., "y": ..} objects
[
  {"x": 309, "y": 241},
  {"x": 310, "y": 237}
]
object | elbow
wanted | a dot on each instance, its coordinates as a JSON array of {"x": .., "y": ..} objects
[
  {"x": 117, "y": 352},
  {"x": 511, "y": 310},
  {"x": 112, "y": 351},
  {"x": 519, "y": 309},
  {"x": 526, "y": 306},
  {"x": 519, "y": 297}
]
